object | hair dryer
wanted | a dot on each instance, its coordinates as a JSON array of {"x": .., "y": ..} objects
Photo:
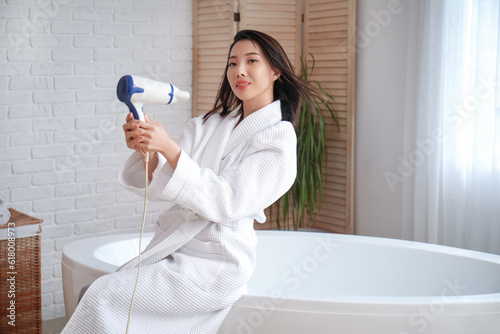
[{"x": 136, "y": 91}]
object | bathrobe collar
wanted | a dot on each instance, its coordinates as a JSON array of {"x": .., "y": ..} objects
[
  {"x": 252, "y": 124},
  {"x": 229, "y": 135}
]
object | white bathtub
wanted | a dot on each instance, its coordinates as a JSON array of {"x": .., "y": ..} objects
[{"x": 309, "y": 283}]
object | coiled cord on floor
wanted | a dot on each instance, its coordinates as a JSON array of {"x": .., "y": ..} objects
[{"x": 146, "y": 160}]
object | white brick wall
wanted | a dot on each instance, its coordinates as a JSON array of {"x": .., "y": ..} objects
[{"x": 61, "y": 142}]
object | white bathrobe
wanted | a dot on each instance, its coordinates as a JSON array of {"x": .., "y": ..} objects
[{"x": 203, "y": 251}]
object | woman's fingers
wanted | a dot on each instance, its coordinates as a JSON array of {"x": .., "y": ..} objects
[
  {"x": 129, "y": 127},
  {"x": 134, "y": 143},
  {"x": 133, "y": 135},
  {"x": 146, "y": 135},
  {"x": 132, "y": 129},
  {"x": 135, "y": 124},
  {"x": 133, "y": 132},
  {"x": 146, "y": 125}
]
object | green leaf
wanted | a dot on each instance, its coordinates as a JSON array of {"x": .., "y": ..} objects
[{"x": 305, "y": 195}]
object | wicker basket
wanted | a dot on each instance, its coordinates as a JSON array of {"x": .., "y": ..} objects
[{"x": 20, "y": 286}]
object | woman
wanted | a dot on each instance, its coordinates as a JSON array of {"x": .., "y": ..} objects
[{"x": 228, "y": 166}]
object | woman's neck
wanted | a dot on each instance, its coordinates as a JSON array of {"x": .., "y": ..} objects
[{"x": 250, "y": 107}]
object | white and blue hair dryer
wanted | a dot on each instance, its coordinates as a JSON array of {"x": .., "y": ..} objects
[{"x": 136, "y": 91}]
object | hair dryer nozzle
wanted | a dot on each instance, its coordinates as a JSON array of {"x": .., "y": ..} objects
[{"x": 179, "y": 95}]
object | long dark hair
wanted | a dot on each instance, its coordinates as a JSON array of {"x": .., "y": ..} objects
[{"x": 288, "y": 88}]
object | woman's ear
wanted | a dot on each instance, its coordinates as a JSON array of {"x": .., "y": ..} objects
[{"x": 276, "y": 75}]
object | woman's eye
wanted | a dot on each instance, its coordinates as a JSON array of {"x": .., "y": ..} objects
[
  {"x": 252, "y": 60},
  {"x": 231, "y": 64}
]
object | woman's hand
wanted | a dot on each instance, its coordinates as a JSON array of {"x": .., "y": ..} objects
[
  {"x": 150, "y": 136},
  {"x": 154, "y": 137},
  {"x": 133, "y": 133}
]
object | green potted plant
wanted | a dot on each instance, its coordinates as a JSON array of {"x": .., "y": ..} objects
[{"x": 305, "y": 195}]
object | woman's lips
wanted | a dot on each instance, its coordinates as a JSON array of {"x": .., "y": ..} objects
[{"x": 242, "y": 84}]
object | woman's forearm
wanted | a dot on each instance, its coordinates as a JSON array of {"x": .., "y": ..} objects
[{"x": 172, "y": 152}]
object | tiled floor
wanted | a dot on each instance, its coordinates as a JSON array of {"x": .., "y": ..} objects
[{"x": 53, "y": 326}]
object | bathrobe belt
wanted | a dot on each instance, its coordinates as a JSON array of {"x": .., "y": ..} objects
[{"x": 191, "y": 216}]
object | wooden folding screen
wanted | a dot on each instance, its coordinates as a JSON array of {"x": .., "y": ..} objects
[
  {"x": 213, "y": 31},
  {"x": 325, "y": 28},
  {"x": 329, "y": 34},
  {"x": 278, "y": 18}
]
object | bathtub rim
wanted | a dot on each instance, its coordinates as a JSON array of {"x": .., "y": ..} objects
[
  {"x": 376, "y": 306},
  {"x": 99, "y": 267},
  {"x": 71, "y": 255}
]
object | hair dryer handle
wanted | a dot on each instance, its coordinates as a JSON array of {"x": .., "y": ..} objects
[{"x": 136, "y": 110}]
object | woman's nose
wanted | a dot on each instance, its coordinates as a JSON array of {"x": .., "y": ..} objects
[{"x": 241, "y": 71}]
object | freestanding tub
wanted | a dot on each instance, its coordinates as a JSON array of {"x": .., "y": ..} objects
[{"x": 308, "y": 282}]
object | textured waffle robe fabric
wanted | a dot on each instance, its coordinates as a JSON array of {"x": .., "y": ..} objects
[{"x": 203, "y": 251}]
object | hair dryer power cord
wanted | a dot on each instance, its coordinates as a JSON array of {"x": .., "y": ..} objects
[{"x": 146, "y": 160}]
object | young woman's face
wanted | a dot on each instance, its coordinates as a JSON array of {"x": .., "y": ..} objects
[{"x": 250, "y": 76}]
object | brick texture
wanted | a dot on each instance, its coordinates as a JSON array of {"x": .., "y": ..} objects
[{"x": 61, "y": 141}]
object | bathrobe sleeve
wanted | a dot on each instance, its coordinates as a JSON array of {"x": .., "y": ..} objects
[{"x": 265, "y": 172}]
